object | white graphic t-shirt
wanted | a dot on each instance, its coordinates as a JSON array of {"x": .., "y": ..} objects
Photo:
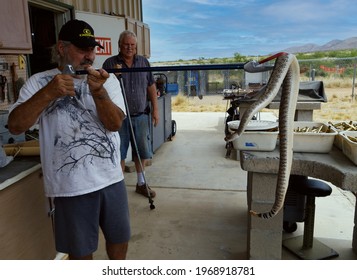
[{"x": 78, "y": 155}]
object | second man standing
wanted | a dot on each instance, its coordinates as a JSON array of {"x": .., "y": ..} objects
[{"x": 139, "y": 89}]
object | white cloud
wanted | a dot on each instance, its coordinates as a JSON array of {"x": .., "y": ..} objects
[{"x": 211, "y": 28}]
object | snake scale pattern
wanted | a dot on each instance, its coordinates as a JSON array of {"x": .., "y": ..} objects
[{"x": 285, "y": 74}]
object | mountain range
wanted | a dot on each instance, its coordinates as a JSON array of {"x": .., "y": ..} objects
[{"x": 334, "y": 45}]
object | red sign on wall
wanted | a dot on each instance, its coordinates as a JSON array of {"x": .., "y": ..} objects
[{"x": 106, "y": 43}]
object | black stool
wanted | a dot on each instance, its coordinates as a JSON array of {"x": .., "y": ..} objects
[{"x": 306, "y": 246}]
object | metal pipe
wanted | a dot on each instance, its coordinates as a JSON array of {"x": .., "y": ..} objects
[
  {"x": 170, "y": 68},
  {"x": 251, "y": 66}
]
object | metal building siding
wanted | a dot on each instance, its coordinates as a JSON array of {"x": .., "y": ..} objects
[
  {"x": 127, "y": 8},
  {"x": 131, "y": 10}
]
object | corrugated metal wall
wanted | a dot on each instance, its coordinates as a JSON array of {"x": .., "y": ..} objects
[
  {"x": 127, "y": 8},
  {"x": 131, "y": 10}
]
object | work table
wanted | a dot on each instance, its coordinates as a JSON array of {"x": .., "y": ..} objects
[
  {"x": 26, "y": 227},
  {"x": 17, "y": 169},
  {"x": 265, "y": 236},
  {"x": 333, "y": 167}
]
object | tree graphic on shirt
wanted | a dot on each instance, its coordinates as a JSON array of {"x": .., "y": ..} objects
[{"x": 84, "y": 139}]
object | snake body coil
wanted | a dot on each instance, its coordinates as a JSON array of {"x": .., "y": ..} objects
[{"x": 285, "y": 74}]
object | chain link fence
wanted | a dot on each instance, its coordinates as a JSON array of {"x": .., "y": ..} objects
[{"x": 334, "y": 72}]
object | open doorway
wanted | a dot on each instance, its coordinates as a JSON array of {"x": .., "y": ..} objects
[
  {"x": 43, "y": 32},
  {"x": 45, "y": 22}
]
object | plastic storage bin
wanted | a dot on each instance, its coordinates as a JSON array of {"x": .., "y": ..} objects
[
  {"x": 341, "y": 127},
  {"x": 313, "y": 142},
  {"x": 256, "y": 136},
  {"x": 256, "y": 141},
  {"x": 349, "y": 147}
]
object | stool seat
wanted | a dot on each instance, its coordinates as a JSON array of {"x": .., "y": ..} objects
[
  {"x": 302, "y": 246},
  {"x": 309, "y": 186}
]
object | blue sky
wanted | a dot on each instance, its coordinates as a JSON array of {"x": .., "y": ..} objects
[{"x": 188, "y": 29}]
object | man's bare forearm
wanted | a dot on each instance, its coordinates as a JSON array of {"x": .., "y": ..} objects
[
  {"x": 26, "y": 114},
  {"x": 109, "y": 114}
]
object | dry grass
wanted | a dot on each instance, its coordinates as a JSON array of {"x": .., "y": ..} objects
[
  {"x": 211, "y": 103},
  {"x": 340, "y": 105}
]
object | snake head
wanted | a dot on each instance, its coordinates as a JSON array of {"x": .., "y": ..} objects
[{"x": 256, "y": 67}]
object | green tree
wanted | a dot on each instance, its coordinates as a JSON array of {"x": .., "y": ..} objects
[{"x": 239, "y": 58}]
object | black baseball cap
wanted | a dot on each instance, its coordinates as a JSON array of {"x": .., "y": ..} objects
[{"x": 79, "y": 33}]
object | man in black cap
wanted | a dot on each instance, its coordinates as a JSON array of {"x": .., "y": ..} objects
[
  {"x": 78, "y": 118},
  {"x": 79, "y": 33}
]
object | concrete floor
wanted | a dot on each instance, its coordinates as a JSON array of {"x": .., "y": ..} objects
[{"x": 201, "y": 206}]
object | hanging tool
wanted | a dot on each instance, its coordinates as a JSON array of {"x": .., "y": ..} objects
[
  {"x": 3, "y": 81},
  {"x": 14, "y": 79}
]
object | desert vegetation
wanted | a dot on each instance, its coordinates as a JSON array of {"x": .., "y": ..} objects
[
  {"x": 340, "y": 105},
  {"x": 337, "y": 74}
]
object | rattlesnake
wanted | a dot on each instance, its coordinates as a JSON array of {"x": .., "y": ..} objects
[{"x": 285, "y": 74}]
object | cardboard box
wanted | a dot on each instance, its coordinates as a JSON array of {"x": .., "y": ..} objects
[{"x": 27, "y": 148}]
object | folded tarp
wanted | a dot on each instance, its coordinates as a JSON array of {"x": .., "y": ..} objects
[{"x": 312, "y": 91}]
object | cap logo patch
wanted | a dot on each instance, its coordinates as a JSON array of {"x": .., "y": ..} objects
[{"x": 86, "y": 33}]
